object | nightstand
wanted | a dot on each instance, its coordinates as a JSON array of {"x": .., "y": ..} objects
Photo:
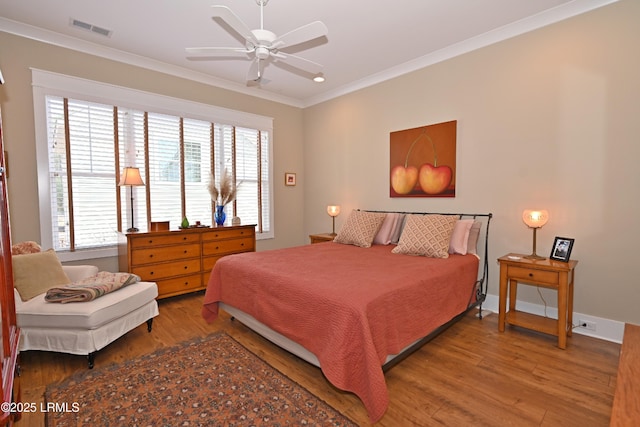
[
  {"x": 516, "y": 269},
  {"x": 322, "y": 237}
]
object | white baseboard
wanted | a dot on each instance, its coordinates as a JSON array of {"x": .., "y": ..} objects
[{"x": 605, "y": 329}]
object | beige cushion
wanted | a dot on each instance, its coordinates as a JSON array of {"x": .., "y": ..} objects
[
  {"x": 34, "y": 274},
  {"x": 426, "y": 235},
  {"x": 360, "y": 228}
]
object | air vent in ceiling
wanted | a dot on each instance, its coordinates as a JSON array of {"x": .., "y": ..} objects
[{"x": 89, "y": 27}]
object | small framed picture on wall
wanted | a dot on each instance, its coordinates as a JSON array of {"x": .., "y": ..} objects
[
  {"x": 561, "y": 249},
  {"x": 290, "y": 179}
]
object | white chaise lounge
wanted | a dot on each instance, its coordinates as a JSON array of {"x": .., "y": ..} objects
[{"x": 84, "y": 328}]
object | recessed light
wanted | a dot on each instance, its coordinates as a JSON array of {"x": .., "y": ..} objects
[{"x": 318, "y": 79}]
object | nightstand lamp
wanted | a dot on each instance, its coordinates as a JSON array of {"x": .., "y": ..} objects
[
  {"x": 333, "y": 212},
  {"x": 535, "y": 219}
]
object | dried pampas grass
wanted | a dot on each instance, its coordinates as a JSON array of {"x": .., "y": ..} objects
[{"x": 227, "y": 191}]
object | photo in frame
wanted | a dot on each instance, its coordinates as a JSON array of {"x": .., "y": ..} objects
[
  {"x": 290, "y": 179},
  {"x": 561, "y": 249}
]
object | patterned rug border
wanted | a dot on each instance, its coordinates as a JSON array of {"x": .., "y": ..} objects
[{"x": 82, "y": 375}]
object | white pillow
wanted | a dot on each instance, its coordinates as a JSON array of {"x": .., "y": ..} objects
[
  {"x": 395, "y": 237},
  {"x": 474, "y": 234},
  {"x": 387, "y": 229},
  {"x": 460, "y": 237}
]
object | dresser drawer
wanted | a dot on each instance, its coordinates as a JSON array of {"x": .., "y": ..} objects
[
  {"x": 167, "y": 269},
  {"x": 151, "y": 240},
  {"x": 230, "y": 233},
  {"x": 536, "y": 276},
  {"x": 164, "y": 253},
  {"x": 179, "y": 285},
  {"x": 226, "y": 246},
  {"x": 209, "y": 262}
]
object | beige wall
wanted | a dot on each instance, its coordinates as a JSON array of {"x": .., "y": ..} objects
[
  {"x": 545, "y": 120},
  {"x": 550, "y": 119},
  {"x": 18, "y": 55}
]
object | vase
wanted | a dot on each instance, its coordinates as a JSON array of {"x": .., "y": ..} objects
[{"x": 220, "y": 216}]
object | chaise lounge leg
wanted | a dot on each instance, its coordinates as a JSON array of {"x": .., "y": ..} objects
[
  {"x": 149, "y": 324},
  {"x": 91, "y": 357}
]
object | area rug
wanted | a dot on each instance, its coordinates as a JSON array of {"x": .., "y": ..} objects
[{"x": 212, "y": 381}]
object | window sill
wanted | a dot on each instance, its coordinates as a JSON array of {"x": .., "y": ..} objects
[{"x": 87, "y": 254}]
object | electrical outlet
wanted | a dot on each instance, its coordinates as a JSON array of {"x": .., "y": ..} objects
[{"x": 591, "y": 326}]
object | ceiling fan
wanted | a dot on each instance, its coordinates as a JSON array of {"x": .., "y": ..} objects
[{"x": 262, "y": 45}]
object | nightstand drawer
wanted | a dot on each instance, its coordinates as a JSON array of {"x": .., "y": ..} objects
[{"x": 536, "y": 276}]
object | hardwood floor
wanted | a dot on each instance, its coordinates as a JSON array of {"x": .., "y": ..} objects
[{"x": 469, "y": 375}]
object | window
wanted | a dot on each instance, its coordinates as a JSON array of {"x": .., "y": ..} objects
[{"x": 87, "y": 132}]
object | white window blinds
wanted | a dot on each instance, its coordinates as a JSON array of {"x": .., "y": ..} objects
[{"x": 90, "y": 143}]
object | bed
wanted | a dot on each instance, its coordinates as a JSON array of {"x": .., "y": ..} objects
[{"x": 356, "y": 309}]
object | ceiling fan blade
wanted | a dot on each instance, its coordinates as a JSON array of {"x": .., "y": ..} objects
[
  {"x": 300, "y": 63},
  {"x": 300, "y": 35},
  {"x": 254, "y": 73},
  {"x": 203, "y": 52},
  {"x": 227, "y": 15}
]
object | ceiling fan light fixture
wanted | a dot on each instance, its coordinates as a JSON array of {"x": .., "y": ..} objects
[
  {"x": 262, "y": 52},
  {"x": 261, "y": 44}
]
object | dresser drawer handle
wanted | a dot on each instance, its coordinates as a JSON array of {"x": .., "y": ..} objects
[
  {"x": 151, "y": 256},
  {"x": 241, "y": 244},
  {"x": 185, "y": 251},
  {"x": 151, "y": 273},
  {"x": 530, "y": 274}
]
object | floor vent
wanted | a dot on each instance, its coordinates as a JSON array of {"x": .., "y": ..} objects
[{"x": 89, "y": 27}]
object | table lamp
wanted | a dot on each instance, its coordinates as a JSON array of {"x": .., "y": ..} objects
[
  {"x": 131, "y": 177},
  {"x": 535, "y": 219},
  {"x": 333, "y": 212}
]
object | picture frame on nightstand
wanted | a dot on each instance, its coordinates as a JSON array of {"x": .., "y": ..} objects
[{"x": 561, "y": 249}]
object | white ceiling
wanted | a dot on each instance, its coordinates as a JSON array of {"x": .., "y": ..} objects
[{"x": 368, "y": 41}]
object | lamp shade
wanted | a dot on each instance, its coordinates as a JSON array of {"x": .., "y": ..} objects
[
  {"x": 131, "y": 176},
  {"x": 333, "y": 210},
  {"x": 535, "y": 218}
]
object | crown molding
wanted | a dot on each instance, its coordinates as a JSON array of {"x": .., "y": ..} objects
[
  {"x": 61, "y": 40},
  {"x": 531, "y": 23}
]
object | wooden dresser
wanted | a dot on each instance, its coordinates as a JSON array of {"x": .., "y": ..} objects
[{"x": 181, "y": 261}]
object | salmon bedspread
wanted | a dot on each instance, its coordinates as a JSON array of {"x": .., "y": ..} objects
[{"x": 349, "y": 306}]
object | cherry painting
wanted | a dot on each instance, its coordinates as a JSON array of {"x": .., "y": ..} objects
[{"x": 423, "y": 161}]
